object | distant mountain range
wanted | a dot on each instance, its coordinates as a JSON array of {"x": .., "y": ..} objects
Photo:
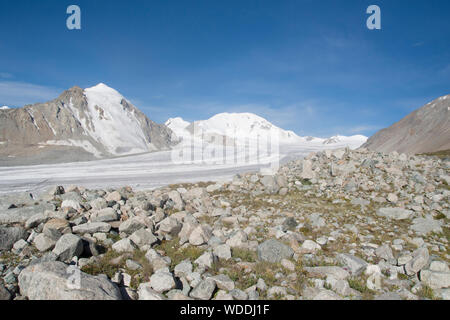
[
  {"x": 98, "y": 122},
  {"x": 248, "y": 125},
  {"x": 424, "y": 130}
]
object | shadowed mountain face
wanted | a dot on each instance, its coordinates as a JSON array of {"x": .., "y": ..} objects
[
  {"x": 424, "y": 130},
  {"x": 79, "y": 125}
]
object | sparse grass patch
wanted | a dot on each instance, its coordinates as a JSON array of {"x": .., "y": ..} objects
[
  {"x": 104, "y": 264},
  {"x": 172, "y": 249},
  {"x": 427, "y": 293},
  {"x": 440, "y": 216},
  {"x": 7, "y": 257},
  {"x": 402, "y": 276},
  {"x": 267, "y": 271},
  {"x": 440, "y": 154},
  {"x": 244, "y": 254},
  {"x": 141, "y": 275},
  {"x": 360, "y": 285},
  {"x": 113, "y": 236}
]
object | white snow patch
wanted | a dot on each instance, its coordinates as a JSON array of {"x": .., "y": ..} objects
[
  {"x": 30, "y": 112},
  {"x": 86, "y": 145},
  {"x": 4, "y": 108},
  {"x": 178, "y": 126},
  {"x": 115, "y": 127},
  {"x": 244, "y": 125}
]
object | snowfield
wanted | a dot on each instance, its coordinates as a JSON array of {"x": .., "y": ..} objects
[{"x": 146, "y": 171}]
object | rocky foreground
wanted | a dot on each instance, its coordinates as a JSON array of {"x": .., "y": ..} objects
[{"x": 336, "y": 225}]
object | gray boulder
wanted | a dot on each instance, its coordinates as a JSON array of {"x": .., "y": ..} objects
[
  {"x": 204, "y": 290},
  {"x": 92, "y": 227},
  {"x": 435, "y": 279},
  {"x": 162, "y": 281},
  {"x": 105, "y": 215},
  {"x": 22, "y": 214},
  {"x": 67, "y": 247},
  {"x": 43, "y": 243},
  {"x": 10, "y": 235},
  {"x": 132, "y": 225},
  {"x": 354, "y": 264},
  {"x": 426, "y": 225},
  {"x": 56, "y": 281},
  {"x": 419, "y": 261},
  {"x": 394, "y": 213},
  {"x": 143, "y": 237},
  {"x": 274, "y": 251},
  {"x": 145, "y": 292}
]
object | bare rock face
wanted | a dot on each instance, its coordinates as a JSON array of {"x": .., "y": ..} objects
[
  {"x": 97, "y": 122},
  {"x": 424, "y": 130}
]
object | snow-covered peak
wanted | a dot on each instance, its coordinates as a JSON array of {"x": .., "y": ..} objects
[
  {"x": 111, "y": 121},
  {"x": 351, "y": 141},
  {"x": 4, "y": 108},
  {"x": 178, "y": 125},
  {"x": 104, "y": 92},
  {"x": 249, "y": 125},
  {"x": 239, "y": 125}
]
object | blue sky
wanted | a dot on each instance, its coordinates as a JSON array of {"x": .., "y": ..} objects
[{"x": 311, "y": 66}]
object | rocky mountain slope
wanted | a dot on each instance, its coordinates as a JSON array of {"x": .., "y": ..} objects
[
  {"x": 336, "y": 225},
  {"x": 424, "y": 130},
  {"x": 97, "y": 122}
]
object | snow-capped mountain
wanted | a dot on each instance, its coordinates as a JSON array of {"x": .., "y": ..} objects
[
  {"x": 239, "y": 125},
  {"x": 231, "y": 125},
  {"x": 98, "y": 121},
  {"x": 343, "y": 139},
  {"x": 4, "y": 108},
  {"x": 178, "y": 126}
]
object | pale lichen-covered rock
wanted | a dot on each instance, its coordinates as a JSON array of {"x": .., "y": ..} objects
[
  {"x": 274, "y": 251},
  {"x": 56, "y": 281}
]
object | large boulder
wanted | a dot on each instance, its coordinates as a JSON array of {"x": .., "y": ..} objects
[
  {"x": 435, "y": 279},
  {"x": 10, "y": 235},
  {"x": 274, "y": 251},
  {"x": 394, "y": 213},
  {"x": 22, "y": 214},
  {"x": 92, "y": 227},
  {"x": 419, "y": 261},
  {"x": 58, "y": 281},
  {"x": 354, "y": 264},
  {"x": 426, "y": 225},
  {"x": 67, "y": 247},
  {"x": 105, "y": 215},
  {"x": 132, "y": 225},
  {"x": 55, "y": 228},
  {"x": 204, "y": 290},
  {"x": 162, "y": 281}
]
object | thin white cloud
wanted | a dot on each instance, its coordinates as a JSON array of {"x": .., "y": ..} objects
[
  {"x": 6, "y": 75},
  {"x": 362, "y": 129},
  {"x": 18, "y": 94}
]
